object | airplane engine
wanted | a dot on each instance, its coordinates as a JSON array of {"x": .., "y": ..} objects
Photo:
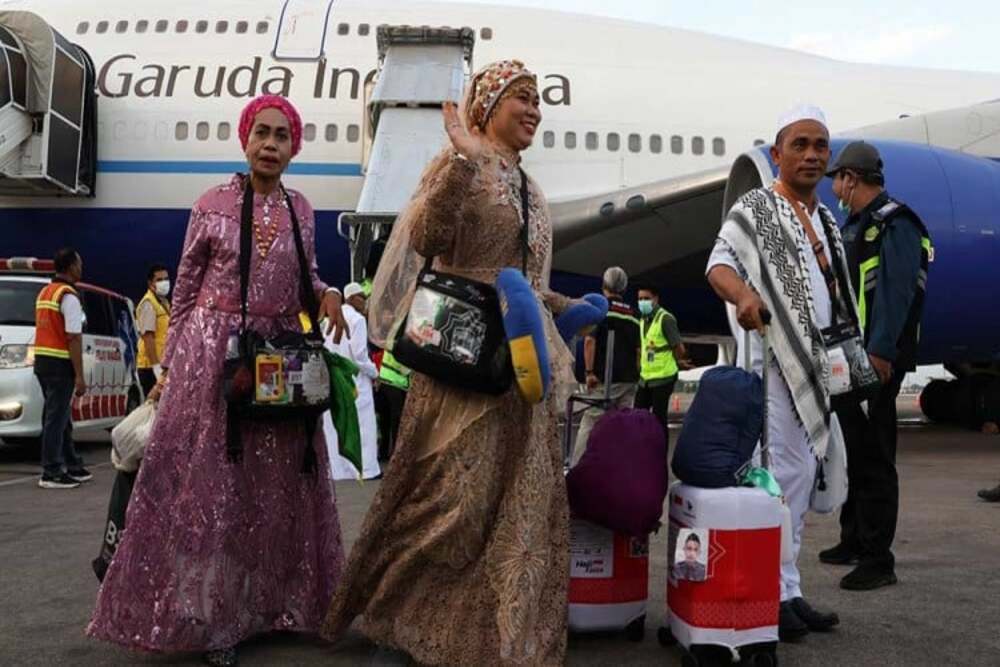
[{"x": 958, "y": 198}]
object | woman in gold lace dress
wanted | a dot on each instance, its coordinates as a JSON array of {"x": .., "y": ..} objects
[{"x": 463, "y": 556}]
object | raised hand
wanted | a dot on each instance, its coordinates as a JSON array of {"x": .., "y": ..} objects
[{"x": 469, "y": 144}]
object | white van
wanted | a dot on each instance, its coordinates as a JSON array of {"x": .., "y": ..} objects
[{"x": 109, "y": 354}]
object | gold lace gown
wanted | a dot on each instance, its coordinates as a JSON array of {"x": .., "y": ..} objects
[{"x": 463, "y": 556}]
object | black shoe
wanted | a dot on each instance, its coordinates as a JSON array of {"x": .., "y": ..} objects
[
  {"x": 223, "y": 657},
  {"x": 816, "y": 621},
  {"x": 990, "y": 495},
  {"x": 838, "y": 555},
  {"x": 791, "y": 628},
  {"x": 60, "y": 481},
  {"x": 80, "y": 474},
  {"x": 867, "y": 578}
]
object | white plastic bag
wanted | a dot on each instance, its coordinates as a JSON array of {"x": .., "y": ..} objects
[
  {"x": 129, "y": 438},
  {"x": 830, "y": 486}
]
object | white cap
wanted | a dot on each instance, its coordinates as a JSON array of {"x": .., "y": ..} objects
[
  {"x": 801, "y": 112},
  {"x": 353, "y": 289}
]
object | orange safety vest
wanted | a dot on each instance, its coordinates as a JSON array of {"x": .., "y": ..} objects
[{"x": 50, "y": 325}]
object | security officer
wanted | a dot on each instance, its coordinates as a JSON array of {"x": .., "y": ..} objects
[
  {"x": 153, "y": 317},
  {"x": 888, "y": 253},
  {"x": 393, "y": 385},
  {"x": 663, "y": 356}
]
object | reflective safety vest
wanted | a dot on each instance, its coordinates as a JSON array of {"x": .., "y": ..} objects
[
  {"x": 658, "y": 361},
  {"x": 50, "y": 325},
  {"x": 394, "y": 373},
  {"x": 160, "y": 334},
  {"x": 869, "y": 247}
]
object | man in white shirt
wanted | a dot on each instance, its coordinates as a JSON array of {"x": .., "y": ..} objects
[
  {"x": 355, "y": 348},
  {"x": 778, "y": 252}
]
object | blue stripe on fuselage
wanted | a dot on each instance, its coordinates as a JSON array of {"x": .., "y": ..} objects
[
  {"x": 221, "y": 167},
  {"x": 118, "y": 245}
]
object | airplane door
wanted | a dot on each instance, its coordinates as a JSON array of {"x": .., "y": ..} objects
[{"x": 301, "y": 31}]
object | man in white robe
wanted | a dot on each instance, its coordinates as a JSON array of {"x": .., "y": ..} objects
[
  {"x": 764, "y": 258},
  {"x": 355, "y": 348}
]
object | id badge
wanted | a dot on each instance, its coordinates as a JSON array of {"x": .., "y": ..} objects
[
  {"x": 650, "y": 356},
  {"x": 840, "y": 371}
]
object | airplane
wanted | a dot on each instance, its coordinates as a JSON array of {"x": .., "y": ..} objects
[{"x": 648, "y": 132}]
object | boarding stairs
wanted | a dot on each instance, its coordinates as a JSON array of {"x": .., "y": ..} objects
[
  {"x": 419, "y": 69},
  {"x": 48, "y": 111}
]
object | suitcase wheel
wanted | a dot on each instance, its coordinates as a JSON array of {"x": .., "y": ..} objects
[
  {"x": 636, "y": 630},
  {"x": 763, "y": 660},
  {"x": 665, "y": 636},
  {"x": 688, "y": 660}
]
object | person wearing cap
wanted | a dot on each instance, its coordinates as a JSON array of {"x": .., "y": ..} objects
[
  {"x": 355, "y": 348},
  {"x": 773, "y": 262},
  {"x": 888, "y": 254},
  {"x": 623, "y": 320}
]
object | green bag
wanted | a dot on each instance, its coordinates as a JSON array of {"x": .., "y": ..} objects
[
  {"x": 762, "y": 479},
  {"x": 343, "y": 408}
]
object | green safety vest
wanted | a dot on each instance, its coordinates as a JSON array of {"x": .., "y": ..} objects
[
  {"x": 658, "y": 363},
  {"x": 394, "y": 373}
]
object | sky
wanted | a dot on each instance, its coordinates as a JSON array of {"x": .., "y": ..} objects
[{"x": 960, "y": 34}]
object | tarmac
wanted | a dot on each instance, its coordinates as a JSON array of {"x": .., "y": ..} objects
[{"x": 944, "y": 611}]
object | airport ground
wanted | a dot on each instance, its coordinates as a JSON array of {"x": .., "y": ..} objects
[{"x": 944, "y": 611}]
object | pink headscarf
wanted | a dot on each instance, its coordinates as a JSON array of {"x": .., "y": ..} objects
[{"x": 258, "y": 104}]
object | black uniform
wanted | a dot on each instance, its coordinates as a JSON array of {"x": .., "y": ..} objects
[{"x": 888, "y": 252}]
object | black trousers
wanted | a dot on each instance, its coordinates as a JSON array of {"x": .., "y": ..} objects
[
  {"x": 147, "y": 378},
  {"x": 393, "y": 400},
  {"x": 868, "y": 518},
  {"x": 58, "y": 449},
  {"x": 657, "y": 399}
]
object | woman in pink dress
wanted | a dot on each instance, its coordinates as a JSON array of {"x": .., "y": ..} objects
[{"x": 217, "y": 551}]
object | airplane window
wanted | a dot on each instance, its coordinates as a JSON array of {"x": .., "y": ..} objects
[
  {"x": 82, "y": 28},
  {"x": 614, "y": 141},
  {"x": 221, "y": 26},
  {"x": 343, "y": 29},
  {"x": 676, "y": 144},
  {"x": 364, "y": 29},
  {"x": 634, "y": 143},
  {"x": 119, "y": 129},
  {"x": 141, "y": 26},
  {"x": 549, "y": 139},
  {"x": 331, "y": 132},
  {"x": 102, "y": 27},
  {"x": 262, "y": 27},
  {"x": 570, "y": 140},
  {"x": 225, "y": 130},
  {"x": 121, "y": 26},
  {"x": 697, "y": 145},
  {"x": 161, "y": 25},
  {"x": 758, "y": 142},
  {"x": 181, "y": 131},
  {"x": 719, "y": 146},
  {"x": 201, "y": 27},
  {"x": 592, "y": 141},
  {"x": 160, "y": 131},
  {"x": 486, "y": 33},
  {"x": 242, "y": 27},
  {"x": 309, "y": 132},
  {"x": 655, "y": 143},
  {"x": 140, "y": 130},
  {"x": 182, "y": 26},
  {"x": 353, "y": 133},
  {"x": 202, "y": 131}
]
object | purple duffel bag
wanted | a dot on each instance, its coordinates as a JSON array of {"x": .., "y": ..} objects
[{"x": 621, "y": 480}]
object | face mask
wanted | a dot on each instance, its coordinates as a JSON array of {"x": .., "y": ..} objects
[
  {"x": 645, "y": 306},
  {"x": 162, "y": 287}
]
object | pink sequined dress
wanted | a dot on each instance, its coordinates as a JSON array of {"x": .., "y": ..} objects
[{"x": 216, "y": 552}]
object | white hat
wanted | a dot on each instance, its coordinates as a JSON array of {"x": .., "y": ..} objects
[
  {"x": 801, "y": 112},
  {"x": 353, "y": 289}
]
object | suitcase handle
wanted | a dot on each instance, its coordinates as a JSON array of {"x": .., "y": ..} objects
[{"x": 765, "y": 363}]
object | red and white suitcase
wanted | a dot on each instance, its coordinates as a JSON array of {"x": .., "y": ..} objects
[
  {"x": 730, "y": 612},
  {"x": 608, "y": 581}
]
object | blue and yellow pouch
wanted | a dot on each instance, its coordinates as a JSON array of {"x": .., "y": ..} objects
[
  {"x": 523, "y": 324},
  {"x": 590, "y": 311}
]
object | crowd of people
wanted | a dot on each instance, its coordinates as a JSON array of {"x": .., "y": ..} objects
[{"x": 463, "y": 557}]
